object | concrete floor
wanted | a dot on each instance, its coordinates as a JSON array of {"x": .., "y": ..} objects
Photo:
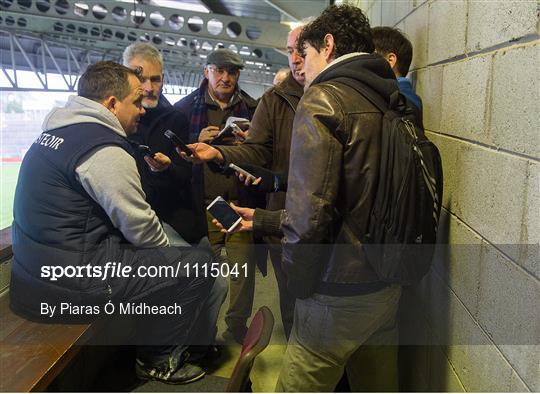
[{"x": 267, "y": 365}]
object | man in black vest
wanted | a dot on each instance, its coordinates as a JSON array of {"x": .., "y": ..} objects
[{"x": 86, "y": 242}]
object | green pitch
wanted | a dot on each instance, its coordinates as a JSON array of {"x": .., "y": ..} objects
[{"x": 8, "y": 179}]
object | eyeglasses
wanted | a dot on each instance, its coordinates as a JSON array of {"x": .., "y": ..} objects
[{"x": 221, "y": 70}]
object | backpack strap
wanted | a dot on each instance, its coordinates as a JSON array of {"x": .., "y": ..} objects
[
  {"x": 378, "y": 101},
  {"x": 375, "y": 98},
  {"x": 397, "y": 100}
]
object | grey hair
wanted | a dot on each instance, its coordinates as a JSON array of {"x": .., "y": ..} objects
[
  {"x": 144, "y": 50},
  {"x": 303, "y": 22},
  {"x": 307, "y": 20}
]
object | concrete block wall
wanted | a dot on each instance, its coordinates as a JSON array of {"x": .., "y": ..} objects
[{"x": 477, "y": 65}]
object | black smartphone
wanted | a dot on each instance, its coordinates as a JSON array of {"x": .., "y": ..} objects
[
  {"x": 178, "y": 142},
  {"x": 224, "y": 214},
  {"x": 146, "y": 151}
]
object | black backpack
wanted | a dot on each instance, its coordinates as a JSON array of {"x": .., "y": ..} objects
[{"x": 402, "y": 229}]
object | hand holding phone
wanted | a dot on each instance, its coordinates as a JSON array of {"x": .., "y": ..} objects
[
  {"x": 146, "y": 151},
  {"x": 249, "y": 177},
  {"x": 178, "y": 142},
  {"x": 224, "y": 214},
  {"x": 158, "y": 163}
]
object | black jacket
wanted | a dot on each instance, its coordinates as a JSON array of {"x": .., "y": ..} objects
[
  {"x": 170, "y": 193},
  {"x": 333, "y": 174}
]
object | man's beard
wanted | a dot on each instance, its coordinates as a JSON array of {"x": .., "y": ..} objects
[{"x": 149, "y": 103}]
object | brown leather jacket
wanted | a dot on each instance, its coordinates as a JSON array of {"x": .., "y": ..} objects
[
  {"x": 333, "y": 174},
  {"x": 269, "y": 140}
]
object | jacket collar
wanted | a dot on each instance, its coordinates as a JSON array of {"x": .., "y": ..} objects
[
  {"x": 343, "y": 58},
  {"x": 289, "y": 87},
  {"x": 371, "y": 70}
]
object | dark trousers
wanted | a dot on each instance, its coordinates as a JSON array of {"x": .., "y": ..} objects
[
  {"x": 240, "y": 251},
  {"x": 161, "y": 337},
  {"x": 286, "y": 299}
]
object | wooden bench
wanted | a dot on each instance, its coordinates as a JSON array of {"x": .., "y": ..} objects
[{"x": 33, "y": 354}]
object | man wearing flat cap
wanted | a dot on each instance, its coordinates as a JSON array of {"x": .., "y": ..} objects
[{"x": 208, "y": 108}]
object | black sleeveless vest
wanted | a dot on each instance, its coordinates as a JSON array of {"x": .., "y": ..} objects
[{"x": 55, "y": 221}]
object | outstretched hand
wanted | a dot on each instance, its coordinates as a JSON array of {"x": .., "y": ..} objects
[
  {"x": 201, "y": 153},
  {"x": 245, "y": 225}
]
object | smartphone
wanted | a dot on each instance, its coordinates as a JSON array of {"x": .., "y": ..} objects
[
  {"x": 146, "y": 151},
  {"x": 240, "y": 170},
  {"x": 178, "y": 142},
  {"x": 226, "y": 132},
  {"x": 224, "y": 214}
]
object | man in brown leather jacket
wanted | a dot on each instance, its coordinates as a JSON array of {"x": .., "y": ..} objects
[{"x": 333, "y": 174}]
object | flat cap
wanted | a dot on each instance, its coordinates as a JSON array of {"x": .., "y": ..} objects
[{"x": 224, "y": 58}]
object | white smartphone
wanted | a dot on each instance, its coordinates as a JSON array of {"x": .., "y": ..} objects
[
  {"x": 224, "y": 214},
  {"x": 243, "y": 172}
]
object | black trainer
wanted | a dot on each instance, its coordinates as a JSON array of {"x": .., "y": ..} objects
[{"x": 185, "y": 373}]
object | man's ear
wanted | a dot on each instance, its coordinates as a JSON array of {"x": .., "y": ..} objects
[
  {"x": 205, "y": 72},
  {"x": 391, "y": 58},
  {"x": 329, "y": 47},
  {"x": 110, "y": 103}
]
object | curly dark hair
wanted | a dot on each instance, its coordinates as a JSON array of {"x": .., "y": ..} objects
[
  {"x": 104, "y": 79},
  {"x": 347, "y": 24},
  {"x": 390, "y": 40}
]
